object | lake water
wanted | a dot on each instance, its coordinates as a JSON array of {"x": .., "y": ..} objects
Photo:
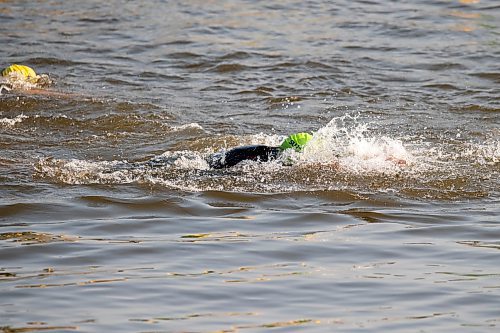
[{"x": 340, "y": 238}]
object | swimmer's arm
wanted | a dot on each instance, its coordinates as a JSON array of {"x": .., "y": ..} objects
[
  {"x": 47, "y": 92},
  {"x": 40, "y": 92},
  {"x": 397, "y": 161}
]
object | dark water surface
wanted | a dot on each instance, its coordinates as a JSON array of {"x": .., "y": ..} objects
[{"x": 343, "y": 240}]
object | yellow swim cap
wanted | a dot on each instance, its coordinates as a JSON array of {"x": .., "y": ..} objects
[{"x": 26, "y": 72}]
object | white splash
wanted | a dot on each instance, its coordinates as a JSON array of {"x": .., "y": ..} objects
[
  {"x": 11, "y": 122},
  {"x": 485, "y": 153},
  {"x": 349, "y": 144},
  {"x": 187, "y": 160}
]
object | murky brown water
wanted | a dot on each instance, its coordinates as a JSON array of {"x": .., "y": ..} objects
[{"x": 111, "y": 219}]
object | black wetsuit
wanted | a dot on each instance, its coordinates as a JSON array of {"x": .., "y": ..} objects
[{"x": 234, "y": 156}]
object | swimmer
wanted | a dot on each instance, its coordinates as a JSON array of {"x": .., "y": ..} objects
[
  {"x": 21, "y": 78},
  {"x": 257, "y": 153},
  {"x": 260, "y": 153},
  {"x": 227, "y": 159},
  {"x": 18, "y": 76}
]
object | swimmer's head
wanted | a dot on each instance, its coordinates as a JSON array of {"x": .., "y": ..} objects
[
  {"x": 296, "y": 141},
  {"x": 21, "y": 71}
]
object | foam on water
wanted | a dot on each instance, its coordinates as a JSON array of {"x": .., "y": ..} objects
[
  {"x": 10, "y": 122},
  {"x": 75, "y": 171},
  {"x": 190, "y": 126}
]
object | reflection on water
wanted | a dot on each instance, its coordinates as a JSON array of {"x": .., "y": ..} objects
[
  {"x": 28, "y": 237},
  {"x": 111, "y": 219}
]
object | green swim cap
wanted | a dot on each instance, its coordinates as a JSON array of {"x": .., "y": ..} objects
[{"x": 296, "y": 141}]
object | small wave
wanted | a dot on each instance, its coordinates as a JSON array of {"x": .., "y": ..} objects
[
  {"x": 492, "y": 76},
  {"x": 238, "y": 55},
  {"x": 228, "y": 68},
  {"x": 284, "y": 102},
  {"x": 44, "y": 61},
  {"x": 190, "y": 126}
]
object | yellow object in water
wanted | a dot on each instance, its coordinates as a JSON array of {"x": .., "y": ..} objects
[{"x": 26, "y": 72}]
